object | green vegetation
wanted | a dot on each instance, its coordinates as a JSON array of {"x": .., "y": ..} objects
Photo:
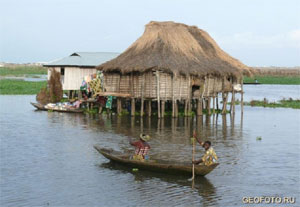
[
  {"x": 287, "y": 80},
  {"x": 290, "y": 103},
  {"x": 284, "y": 103},
  {"x": 17, "y": 87},
  {"x": 21, "y": 71}
]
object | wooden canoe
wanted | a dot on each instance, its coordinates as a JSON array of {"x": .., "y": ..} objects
[
  {"x": 42, "y": 107},
  {"x": 162, "y": 166}
]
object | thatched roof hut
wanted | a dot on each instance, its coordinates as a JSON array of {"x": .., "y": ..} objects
[
  {"x": 176, "y": 48},
  {"x": 173, "y": 62}
]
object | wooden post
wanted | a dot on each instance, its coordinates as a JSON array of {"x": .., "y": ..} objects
[
  {"x": 132, "y": 107},
  {"x": 119, "y": 106},
  {"x": 208, "y": 105},
  {"x": 142, "y": 95},
  {"x": 214, "y": 103},
  {"x": 149, "y": 108},
  {"x": 173, "y": 97},
  {"x": 132, "y": 95},
  {"x": 158, "y": 93},
  {"x": 242, "y": 98},
  {"x": 176, "y": 108},
  {"x": 199, "y": 107},
  {"x": 189, "y": 97},
  {"x": 185, "y": 107},
  {"x": 225, "y": 98},
  {"x": 217, "y": 100},
  {"x": 233, "y": 102},
  {"x": 163, "y": 109}
]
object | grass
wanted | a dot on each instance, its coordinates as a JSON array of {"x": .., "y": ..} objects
[
  {"x": 284, "y": 80},
  {"x": 284, "y": 103},
  {"x": 21, "y": 71},
  {"x": 18, "y": 87}
]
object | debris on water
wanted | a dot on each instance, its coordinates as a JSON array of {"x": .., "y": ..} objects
[
  {"x": 135, "y": 169},
  {"x": 258, "y": 138}
]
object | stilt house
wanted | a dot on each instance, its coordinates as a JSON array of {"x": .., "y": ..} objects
[{"x": 176, "y": 64}]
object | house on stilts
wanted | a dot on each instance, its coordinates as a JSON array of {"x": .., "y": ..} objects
[
  {"x": 76, "y": 66},
  {"x": 173, "y": 65}
]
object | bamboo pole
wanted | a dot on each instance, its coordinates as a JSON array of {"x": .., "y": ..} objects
[
  {"x": 158, "y": 93},
  {"x": 199, "y": 107}
]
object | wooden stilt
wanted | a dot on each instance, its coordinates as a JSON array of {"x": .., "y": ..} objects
[
  {"x": 119, "y": 106},
  {"x": 142, "y": 107},
  {"x": 173, "y": 97},
  {"x": 208, "y": 106},
  {"x": 163, "y": 104},
  {"x": 149, "y": 108},
  {"x": 214, "y": 103},
  {"x": 176, "y": 108},
  {"x": 233, "y": 102},
  {"x": 132, "y": 107},
  {"x": 242, "y": 99},
  {"x": 217, "y": 100},
  {"x": 158, "y": 93},
  {"x": 225, "y": 98},
  {"x": 185, "y": 107},
  {"x": 142, "y": 95},
  {"x": 199, "y": 107}
]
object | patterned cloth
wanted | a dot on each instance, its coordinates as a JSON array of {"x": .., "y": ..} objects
[
  {"x": 95, "y": 86},
  {"x": 209, "y": 157},
  {"x": 141, "y": 150},
  {"x": 109, "y": 102}
]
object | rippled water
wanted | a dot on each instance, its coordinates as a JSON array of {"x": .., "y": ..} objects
[{"x": 47, "y": 159}]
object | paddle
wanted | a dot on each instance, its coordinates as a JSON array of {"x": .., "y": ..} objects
[{"x": 193, "y": 156}]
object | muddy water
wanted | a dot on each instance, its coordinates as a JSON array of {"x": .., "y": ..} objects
[{"x": 47, "y": 159}]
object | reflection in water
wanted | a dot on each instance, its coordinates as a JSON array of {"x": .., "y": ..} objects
[
  {"x": 49, "y": 157},
  {"x": 202, "y": 185}
]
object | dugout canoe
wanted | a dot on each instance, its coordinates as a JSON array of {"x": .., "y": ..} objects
[
  {"x": 179, "y": 168},
  {"x": 42, "y": 107}
]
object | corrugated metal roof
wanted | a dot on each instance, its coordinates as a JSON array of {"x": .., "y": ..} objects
[{"x": 83, "y": 59}]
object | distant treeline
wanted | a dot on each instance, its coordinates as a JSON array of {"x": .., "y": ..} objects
[{"x": 277, "y": 71}]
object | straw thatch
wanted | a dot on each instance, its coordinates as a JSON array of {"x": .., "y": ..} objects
[{"x": 176, "y": 48}]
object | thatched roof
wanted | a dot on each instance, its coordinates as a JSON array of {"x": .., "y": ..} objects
[{"x": 176, "y": 48}]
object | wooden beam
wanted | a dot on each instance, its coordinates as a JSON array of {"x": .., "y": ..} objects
[{"x": 199, "y": 107}]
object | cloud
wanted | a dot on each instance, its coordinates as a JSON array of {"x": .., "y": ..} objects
[{"x": 251, "y": 40}]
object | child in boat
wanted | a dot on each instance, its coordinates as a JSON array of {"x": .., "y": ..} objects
[
  {"x": 210, "y": 156},
  {"x": 141, "y": 148}
]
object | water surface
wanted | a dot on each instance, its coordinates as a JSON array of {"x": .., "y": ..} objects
[{"x": 47, "y": 159}]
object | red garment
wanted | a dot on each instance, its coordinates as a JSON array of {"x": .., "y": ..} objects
[{"x": 141, "y": 148}]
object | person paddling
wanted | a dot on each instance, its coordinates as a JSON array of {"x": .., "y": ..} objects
[
  {"x": 141, "y": 148},
  {"x": 210, "y": 156}
]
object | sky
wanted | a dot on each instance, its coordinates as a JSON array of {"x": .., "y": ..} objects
[{"x": 257, "y": 32}]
